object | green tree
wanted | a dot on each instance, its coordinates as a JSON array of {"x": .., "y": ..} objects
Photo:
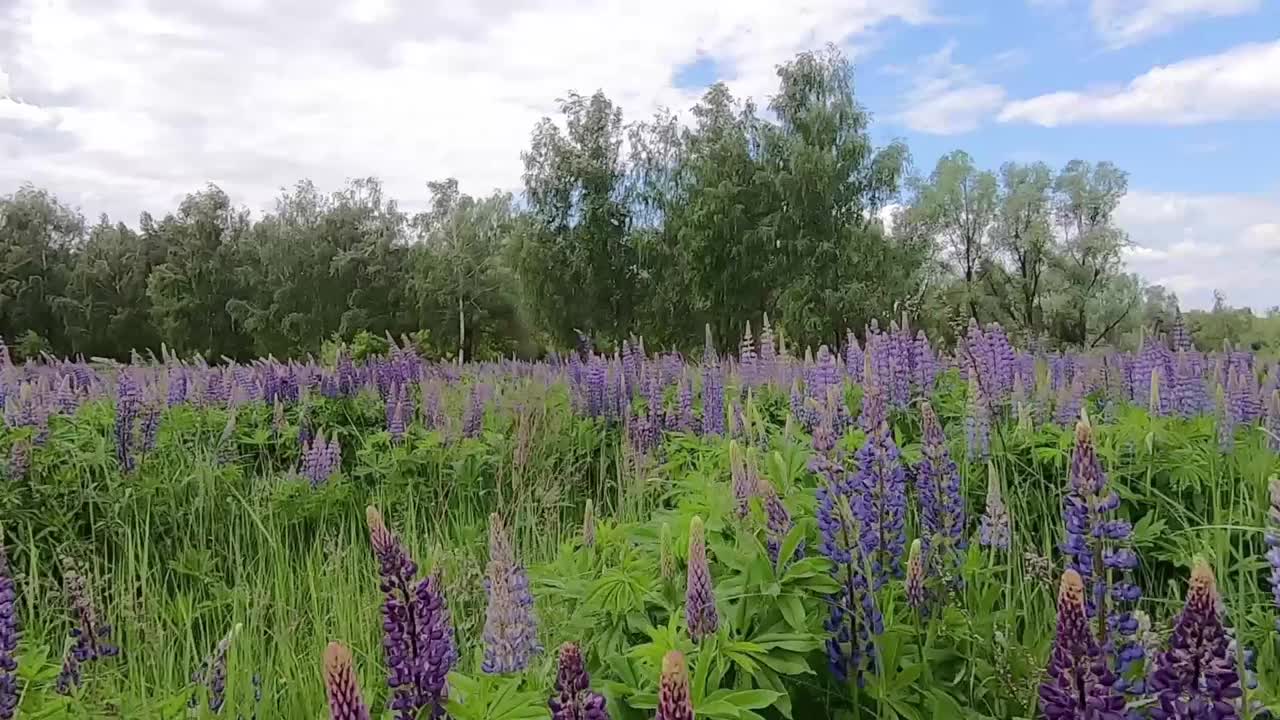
[
  {"x": 192, "y": 289},
  {"x": 107, "y": 312},
  {"x": 1024, "y": 245},
  {"x": 577, "y": 264},
  {"x": 834, "y": 264},
  {"x": 463, "y": 289},
  {"x": 38, "y": 236},
  {"x": 958, "y": 205},
  {"x": 1086, "y": 197}
]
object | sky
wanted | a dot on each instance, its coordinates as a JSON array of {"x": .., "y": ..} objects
[{"x": 120, "y": 106}]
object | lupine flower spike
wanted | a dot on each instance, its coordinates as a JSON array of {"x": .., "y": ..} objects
[
  {"x": 700, "y": 601},
  {"x": 589, "y": 525},
  {"x": 510, "y": 627},
  {"x": 90, "y": 638},
  {"x": 573, "y": 698},
  {"x": 674, "y": 701},
  {"x": 1197, "y": 677},
  {"x": 1098, "y": 548},
  {"x": 341, "y": 686},
  {"x": 993, "y": 531},
  {"x": 942, "y": 510},
  {"x": 917, "y": 593},
  {"x": 213, "y": 673},
  {"x": 417, "y": 642},
  {"x": 1078, "y": 683},
  {"x": 666, "y": 554},
  {"x": 9, "y": 637}
]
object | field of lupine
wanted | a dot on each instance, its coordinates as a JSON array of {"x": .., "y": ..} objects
[{"x": 882, "y": 531}]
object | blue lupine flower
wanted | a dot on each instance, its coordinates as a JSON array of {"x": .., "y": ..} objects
[
  {"x": 880, "y": 496},
  {"x": 942, "y": 505},
  {"x": 1093, "y": 534}
]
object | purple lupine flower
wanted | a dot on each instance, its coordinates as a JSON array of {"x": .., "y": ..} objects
[
  {"x": 674, "y": 701},
  {"x": 712, "y": 399},
  {"x": 432, "y": 418},
  {"x": 853, "y": 361},
  {"x": 417, "y": 644},
  {"x": 151, "y": 423},
  {"x": 176, "y": 382},
  {"x": 899, "y": 345},
  {"x": 994, "y": 530},
  {"x": 9, "y": 636},
  {"x": 684, "y": 422},
  {"x": 1196, "y": 677},
  {"x": 853, "y": 618},
  {"x": 344, "y": 368},
  {"x": 573, "y": 698},
  {"x": 90, "y": 638},
  {"x": 700, "y": 612},
  {"x": 942, "y": 506},
  {"x": 1273, "y": 544},
  {"x": 880, "y": 496},
  {"x": 1226, "y": 422},
  {"x": 340, "y": 685},
  {"x": 216, "y": 392},
  {"x": 212, "y": 673},
  {"x": 853, "y": 615},
  {"x": 977, "y": 422},
  {"x": 768, "y": 352},
  {"x": 917, "y": 593},
  {"x": 1179, "y": 336},
  {"x": 473, "y": 419},
  {"x": 1070, "y": 401},
  {"x": 825, "y": 373},
  {"x": 1094, "y": 536},
  {"x": 1078, "y": 684},
  {"x": 395, "y": 410},
  {"x": 65, "y": 400},
  {"x": 19, "y": 459},
  {"x": 924, "y": 366},
  {"x": 128, "y": 402},
  {"x": 777, "y": 520},
  {"x": 630, "y": 365},
  {"x": 596, "y": 381},
  {"x": 510, "y": 627},
  {"x": 1187, "y": 386}
]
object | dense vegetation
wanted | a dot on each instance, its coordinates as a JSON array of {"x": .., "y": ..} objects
[
  {"x": 643, "y": 226},
  {"x": 886, "y": 531}
]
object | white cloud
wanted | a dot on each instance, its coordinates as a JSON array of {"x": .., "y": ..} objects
[
  {"x": 1195, "y": 243},
  {"x": 368, "y": 11},
  {"x": 20, "y": 112},
  {"x": 946, "y": 97},
  {"x": 1263, "y": 236},
  {"x": 1125, "y": 22},
  {"x": 150, "y": 100},
  {"x": 1237, "y": 84}
]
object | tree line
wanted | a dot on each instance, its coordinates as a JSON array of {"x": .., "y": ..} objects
[{"x": 652, "y": 227}]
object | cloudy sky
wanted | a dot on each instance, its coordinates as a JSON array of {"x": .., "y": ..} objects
[{"x": 124, "y": 105}]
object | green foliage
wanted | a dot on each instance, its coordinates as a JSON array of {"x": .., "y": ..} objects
[{"x": 209, "y": 533}]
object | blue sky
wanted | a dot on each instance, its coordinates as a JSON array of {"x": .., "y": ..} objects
[{"x": 121, "y": 106}]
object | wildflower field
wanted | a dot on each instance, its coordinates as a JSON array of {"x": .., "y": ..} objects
[{"x": 879, "y": 530}]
